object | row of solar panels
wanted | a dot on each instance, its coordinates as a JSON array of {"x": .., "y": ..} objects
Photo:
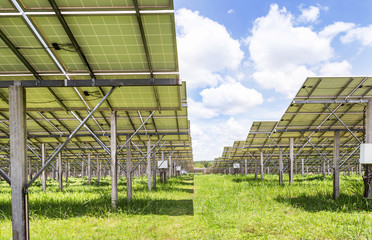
[
  {"x": 322, "y": 106},
  {"x": 130, "y": 41}
]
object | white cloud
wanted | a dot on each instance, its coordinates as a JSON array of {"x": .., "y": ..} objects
[
  {"x": 310, "y": 14},
  {"x": 210, "y": 138},
  {"x": 205, "y": 49},
  {"x": 286, "y": 81},
  {"x": 360, "y": 34},
  {"x": 334, "y": 29},
  {"x": 198, "y": 111},
  {"x": 336, "y": 69},
  {"x": 284, "y": 55},
  {"x": 231, "y": 11},
  {"x": 231, "y": 98}
]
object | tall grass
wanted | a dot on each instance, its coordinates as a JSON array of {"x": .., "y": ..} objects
[{"x": 204, "y": 207}]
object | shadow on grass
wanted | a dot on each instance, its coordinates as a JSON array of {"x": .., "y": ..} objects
[
  {"x": 325, "y": 202},
  {"x": 51, "y": 206},
  {"x": 101, "y": 207}
]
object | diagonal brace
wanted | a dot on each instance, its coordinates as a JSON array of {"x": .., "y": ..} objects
[{"x": 69, "y": 138}]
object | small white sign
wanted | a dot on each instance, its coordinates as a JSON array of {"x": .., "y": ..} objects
[
  {"x": 236, "y": 165},
  {"x": 163, "y": 164},
  {"x": 178, "y": 168}
]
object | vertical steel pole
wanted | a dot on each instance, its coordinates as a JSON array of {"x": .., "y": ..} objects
[
  {"x": 60, "y": 180},
  {"x": 302, "y": 167},
  {"x": 154, "y": 170},
  {"x": 368, "y": 168},
  {"x": 89, "y": 169},
  {"x": 245, "y": 167},
  {"x": 98, "y": 171},
  {"x": 262, "y": 166},
  {"x": 280, "y": 167},
  {"x": 148, "y": 169},
  {"x": 43, "y": 158},
  {"x": 114, "y": 184},
  {"x": 129, "y": 170},
  {"x": 336, "y": 165},
  {"x": 18, "y": 161},
  {"x": 82, "y": 169},
  {"x": 291, "y": 160}
]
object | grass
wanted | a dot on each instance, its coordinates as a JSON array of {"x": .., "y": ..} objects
[{"x": 198, "y": 207}]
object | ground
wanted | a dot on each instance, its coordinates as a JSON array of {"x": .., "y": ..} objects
[{"x": 198, "y": 207}]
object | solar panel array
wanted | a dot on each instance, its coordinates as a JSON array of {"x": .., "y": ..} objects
[
  {"x": 94, "y": 40},
  {"x": 321, "y": 106}
]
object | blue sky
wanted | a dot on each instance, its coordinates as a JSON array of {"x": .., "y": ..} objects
[{"x": 244, "y": 61}]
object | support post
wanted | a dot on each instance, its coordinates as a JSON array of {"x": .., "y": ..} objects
[
  {"x": 98, "y": 171},
  {"x": 29, "y": 168},
  {"x": 67, "y": 170},
  {"x": 129, "y": 170},
  {"x": 262, "y": 166},
  {"x": 291, "y": 160},
  {"x": 43, "y": 158},
  {"x": 302, "y": 167},
  {"x": 60, "y": 180},
  {"x": 114, "y": 183},
  {"x": 324, "y": 168},
  {"x": 82, "y": 169},
  {"x": 89, "y": 170},
  {"x": 148, "y": 167},
  {"x": 170, "y": 166},
  {"x": 280, "y": 167},
  {"x": 18, "y": 161},
  {"x": 367, "y": 168},
  {"x": 336, "y": 165},
  {"x": 154, "y": 171},
  {"x": 255, "y": 169},
  {"x": 245, "y": 167}
]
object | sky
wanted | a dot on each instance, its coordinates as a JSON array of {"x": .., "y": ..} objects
[{"x": 245, "y": 60}]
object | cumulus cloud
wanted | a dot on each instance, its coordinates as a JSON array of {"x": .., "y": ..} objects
[
  {"x": 197, "y": 110},
  {"x": 231, "y": 11},
  {"x": 231, "y": 98},
  {"x": 334, "y": 29},
  {"x": 310, "y": 14},
  {"x": 336, "y": 69},
  {"x": 205, "y": 49},
  {"x": 360, "y": 34},
  {"x": 210, "y": 138},
  {"x": 284, "y": 54}
]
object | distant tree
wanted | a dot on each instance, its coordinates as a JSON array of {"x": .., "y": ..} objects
[{"x": 206, "y": 164}]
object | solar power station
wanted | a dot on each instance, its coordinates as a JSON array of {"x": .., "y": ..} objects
[
  {"x": 89, "y": 87},
  {"x": 92, "y": 89},
  {"x": 323, "y": 131}
]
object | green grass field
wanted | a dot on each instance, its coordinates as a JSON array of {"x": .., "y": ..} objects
[{"x": 197, "y": 207}]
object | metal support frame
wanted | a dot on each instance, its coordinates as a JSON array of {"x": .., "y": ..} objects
[
  {"x": 148, "y": 154},
  {"x": 324, "y": 158},
  {"x": 148, "y": 167},
  {"x": 291, "y": 158},
  {"x": 95, "y": 137},
  {"x": 114, "y": 184},
  {"x": 43, "y": 158},
  {"x": 334, "y": 114},
  {"x": 70, "y": 137},
  {"x": 280, "y": 167},
  {"x": 5, "y": 176},
  {"x": 135, "y": 132},
  {"x": 367, "y": 178},
  {"x": 336, "y": 167},
  {"x": 60, "y": 180},
  {"x": 129, "y": 170},
  {"x": 18, "y": 157}
]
